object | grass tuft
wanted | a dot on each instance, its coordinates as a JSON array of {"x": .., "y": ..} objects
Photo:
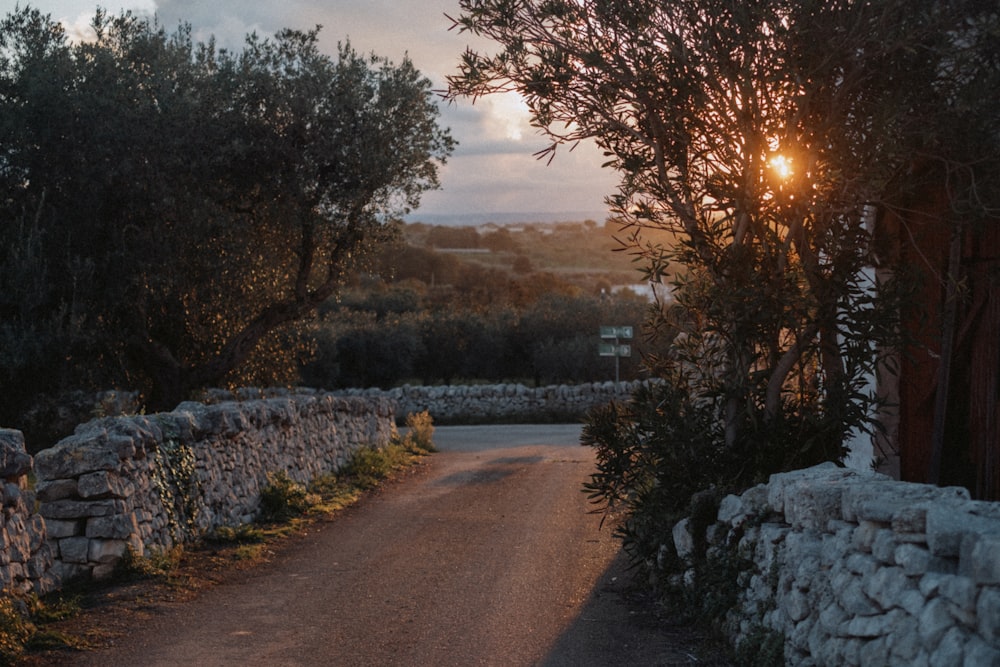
[
  {"x": 154, "y": 564},
  {"x": 22, "y": 621}
]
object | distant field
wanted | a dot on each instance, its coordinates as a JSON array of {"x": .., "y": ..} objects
[{"x": 564, "y": 248}]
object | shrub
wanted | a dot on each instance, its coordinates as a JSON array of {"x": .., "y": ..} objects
[
  {"x": 419, "y": 438},
  {"x": 156, "y": 564},
  {"x": 242, "y": 534},
  {"x": 16, "y": 629},
  {"x": 366, "y": 467},
  {"x": 653, "y": 455},
  {"x": 283, "y": 498}
]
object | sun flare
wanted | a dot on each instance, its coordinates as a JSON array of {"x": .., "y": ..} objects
[{"x": 782, "y": 166}]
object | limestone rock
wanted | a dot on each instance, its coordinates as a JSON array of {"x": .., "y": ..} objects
[
  {"x": 14, "y": 459},
  {"x": 683, "y": 539}
]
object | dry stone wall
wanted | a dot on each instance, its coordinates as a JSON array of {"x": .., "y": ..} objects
[
  {"x": 853, "y": 568},
  {"x": 25, "y": 558},
  {"x": 150, "y": 482},
  {"x": 508, "y": 402}
]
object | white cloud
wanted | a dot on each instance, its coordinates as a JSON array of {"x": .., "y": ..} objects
[{"x": 493, "y": 168}]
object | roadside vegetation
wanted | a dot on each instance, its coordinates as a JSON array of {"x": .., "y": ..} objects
[{"x": 83, "y": 615}]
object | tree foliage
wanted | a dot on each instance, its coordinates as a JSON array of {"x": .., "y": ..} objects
[
  {"x": 769, "y": 136},
  {"x": 396, "y": 335},
  {"x": 171, "y": 209}
]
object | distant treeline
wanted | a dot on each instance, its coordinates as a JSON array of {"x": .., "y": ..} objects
[{"x": 537, "y": 329}]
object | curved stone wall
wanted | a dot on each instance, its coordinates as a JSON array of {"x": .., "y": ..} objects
[
  {"x": 507, "y": 402},
  {"x": 854, "y": 568}
]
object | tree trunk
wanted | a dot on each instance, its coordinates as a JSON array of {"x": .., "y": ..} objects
[{"x": 947, "y": 346}]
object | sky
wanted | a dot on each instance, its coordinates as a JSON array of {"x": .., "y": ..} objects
[{"x": 492, "y": 174}]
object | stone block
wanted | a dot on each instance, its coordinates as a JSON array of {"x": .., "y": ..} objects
[
  {"x": 57, "y": 489},
  {"x": 951, "y": 650},
  {"x": 798, "y": 638},
  {"x": 865, "y": 534},
  {"x": 74, "y": 549},
  {"x": 77, "y": 509},
  {"x": 74, "y": 456},
  {"x": 36, "y": 531},
  {"x": 731, "y": 510},
  {"x": 124, "y": 446},
  {"x": 181, "y": 424},
  {"x": 835, "y": 548},
  {"x": 683, "y": 540},
  {"x": 979, "y": 557},
  {"x": 875, "y": 652},
  {"x": 948, "y": 525},
  {"x": 914, "y": 559},
  {"x": 103, "y": 484},
  {"x": 854, "y": 600},
  {"x": 12, "y": 494},
  {"x": 930, "y": 584},
  {"x": 980, "y": 654},
  {"x": 39, "y": 564},
  {"x": 106, "y": 551},
  {"x": 886, "y": 586},
  {"x": 988, "y": 614},
  {"x": 827, "y": 650},
  {"x": 796, "y": 605},
  {"x": 960, "y": 591},
  {"x": 884, "y": 546},
  {"x": 120, "y": 526},
  {"x": 912, "y": 602},
  {"x": 64, "y": 571},
  {"x": 904, "y": 641},
  {"x": 935, "y": 621},
  {"x": 861, "y": 563},
  {"x": 883, "y": 501},
  {"x": 910, "y": 520},
  {"x": 823, "y": 480},
  {"x": 807, "y": 568},
  {"x": 17, "y": 547},
  {"x": 14, "y": 459}
]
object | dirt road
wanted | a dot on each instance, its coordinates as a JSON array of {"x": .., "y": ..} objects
[{"x": 487, "y": 556}]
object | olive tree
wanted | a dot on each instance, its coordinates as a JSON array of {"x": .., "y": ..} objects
[
  {"x": 190, "y": 204},
  {"x": 768, "y": 137}
]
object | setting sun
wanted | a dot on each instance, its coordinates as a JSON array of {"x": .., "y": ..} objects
[{"x": 781, "y": 165}]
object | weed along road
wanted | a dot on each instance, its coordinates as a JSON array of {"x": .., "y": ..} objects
[{"x": 486, "y": 555}]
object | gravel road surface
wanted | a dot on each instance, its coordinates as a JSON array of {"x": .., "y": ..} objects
[{"x": 486, "y": 556}]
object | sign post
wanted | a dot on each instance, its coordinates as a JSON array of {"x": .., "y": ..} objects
[{"x": 615, "y": 349}]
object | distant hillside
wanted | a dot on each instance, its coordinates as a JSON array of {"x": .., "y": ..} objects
[
  {"x": 480, "y": 218},
  {"x": 582, "y": 253}
]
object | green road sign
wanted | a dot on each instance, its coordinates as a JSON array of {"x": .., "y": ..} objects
[{"x": 616, "y": 332}]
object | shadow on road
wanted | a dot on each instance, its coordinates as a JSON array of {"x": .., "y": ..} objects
[
  {"x": 621, "y": 624},
  {"x": 493, "y": 471}
]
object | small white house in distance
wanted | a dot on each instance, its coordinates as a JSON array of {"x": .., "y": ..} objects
[{"x": 652, "y": 291}]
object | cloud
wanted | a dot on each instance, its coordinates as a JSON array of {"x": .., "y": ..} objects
[{"x": 493, "y": 168}]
